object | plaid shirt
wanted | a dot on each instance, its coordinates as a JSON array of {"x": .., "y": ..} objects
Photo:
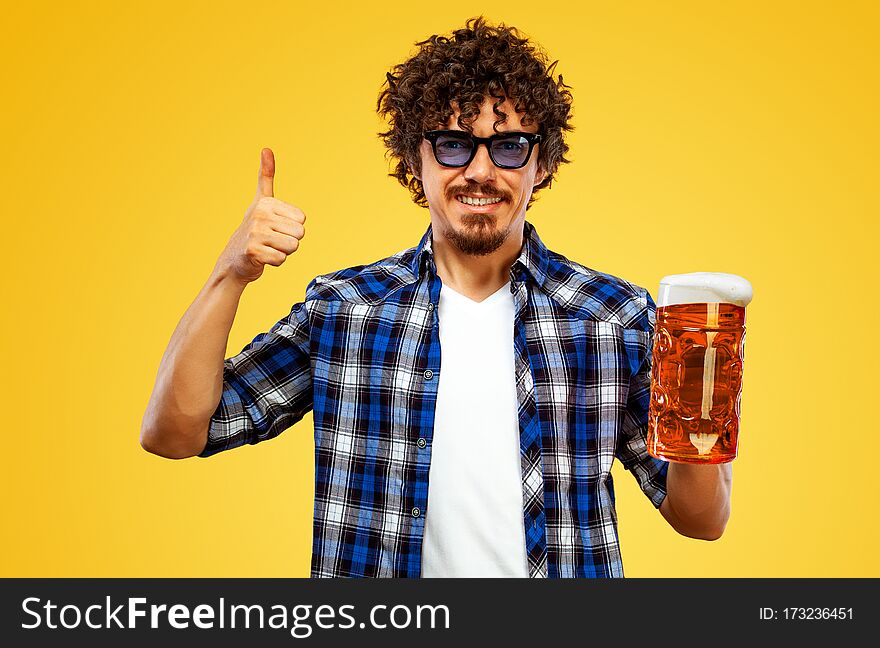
[{"x": 363, "y": 352}]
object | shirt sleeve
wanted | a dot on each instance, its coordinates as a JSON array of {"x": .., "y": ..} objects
[
  {"x": 632, "y": 445},
  {"x": 267, "y": 387}
]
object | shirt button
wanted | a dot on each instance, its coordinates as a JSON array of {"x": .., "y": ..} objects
[
  {"x": 430, "y": 306},
  {"x": 428, "y": 374},
  {"x": 416, "y": 512},
  {"x": 421, "y": 443}
]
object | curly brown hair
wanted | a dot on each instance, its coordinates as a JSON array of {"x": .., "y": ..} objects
[{"x": 476, "y": 62}]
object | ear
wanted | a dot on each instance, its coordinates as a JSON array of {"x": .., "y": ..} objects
[
  {"x": 411, "y": 167},
  {"x": 539, "y": 176}
]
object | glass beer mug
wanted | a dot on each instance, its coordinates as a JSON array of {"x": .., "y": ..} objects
[{"x": 697, "y": 367}]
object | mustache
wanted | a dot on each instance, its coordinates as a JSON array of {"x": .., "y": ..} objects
[{"x": 484, "y": 190}]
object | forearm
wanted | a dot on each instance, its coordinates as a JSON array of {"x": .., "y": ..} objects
[
  {"x": 697, "y": 500},
  {"x": 189, "y": 382}
]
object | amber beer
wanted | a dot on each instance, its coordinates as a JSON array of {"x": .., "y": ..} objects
[{"x": 697, "y": 367}]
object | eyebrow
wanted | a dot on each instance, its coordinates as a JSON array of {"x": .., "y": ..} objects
[{"x": 458, "y": 130}]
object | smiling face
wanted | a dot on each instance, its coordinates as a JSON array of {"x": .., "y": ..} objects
[{"x": 479, "y": 230}]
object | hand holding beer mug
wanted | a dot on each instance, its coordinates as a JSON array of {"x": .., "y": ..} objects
[{"x": 696, "y": 375}]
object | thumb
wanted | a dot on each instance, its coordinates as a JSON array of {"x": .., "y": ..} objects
[{"x": 267, "y": 173}]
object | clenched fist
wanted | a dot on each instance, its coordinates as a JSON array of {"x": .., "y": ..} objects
[{"x": 271, "y": 230}]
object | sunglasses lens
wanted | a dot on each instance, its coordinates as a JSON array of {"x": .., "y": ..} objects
[
  {"x": 453, "y": 150},
  {"x": 510, "y": 151}
]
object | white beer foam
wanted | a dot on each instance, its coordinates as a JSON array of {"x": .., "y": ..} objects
[{"x": 704, "y": 288}]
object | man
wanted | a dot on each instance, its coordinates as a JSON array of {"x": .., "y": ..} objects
[{"x": 469, "y": 394}]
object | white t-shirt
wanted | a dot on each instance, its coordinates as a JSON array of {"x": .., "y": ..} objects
[{"x": 474, "y": 517}]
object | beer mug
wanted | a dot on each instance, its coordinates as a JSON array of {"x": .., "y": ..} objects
[{"x": 697, "y": 367}]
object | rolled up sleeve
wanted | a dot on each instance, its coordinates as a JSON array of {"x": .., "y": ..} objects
[
  {"x": 267, "y": 387},
  {"x": 632, "y": 446}
]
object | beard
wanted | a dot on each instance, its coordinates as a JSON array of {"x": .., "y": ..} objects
[{"x": 478, "y": 237}]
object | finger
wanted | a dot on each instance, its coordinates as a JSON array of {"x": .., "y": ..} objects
[
  {"x": 270, "y": 256},
  {"x": 286, "y": 209},
  {"x": 281, "y": 242},
  {"x": 287, "y": 226},
  {"x": 267, "y": 174}
]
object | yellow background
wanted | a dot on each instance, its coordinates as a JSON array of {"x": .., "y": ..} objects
[{"x": 736, "y": 138}]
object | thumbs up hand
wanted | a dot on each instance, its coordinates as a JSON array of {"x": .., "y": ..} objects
[{"x": 270, "y": 232}]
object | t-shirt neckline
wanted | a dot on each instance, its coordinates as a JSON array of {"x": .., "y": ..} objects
[{"x": 467, "y": 299}]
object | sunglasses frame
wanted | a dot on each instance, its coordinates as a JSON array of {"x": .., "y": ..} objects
[{"x": 432, "y": 135}]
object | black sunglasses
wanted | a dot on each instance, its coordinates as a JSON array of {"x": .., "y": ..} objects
[{"x": 456, "y": 148}]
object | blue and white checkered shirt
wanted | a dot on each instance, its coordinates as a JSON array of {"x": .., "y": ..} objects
[{"x": 363, "y": 353}]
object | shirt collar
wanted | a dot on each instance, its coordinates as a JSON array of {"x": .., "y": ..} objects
[{"x": 533, "y": 259}]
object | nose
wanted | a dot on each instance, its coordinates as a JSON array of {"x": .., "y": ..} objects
[{"x": 481, "y": 169}]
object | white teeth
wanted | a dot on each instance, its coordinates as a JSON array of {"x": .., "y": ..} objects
[{"x": 467, "y": 200}]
